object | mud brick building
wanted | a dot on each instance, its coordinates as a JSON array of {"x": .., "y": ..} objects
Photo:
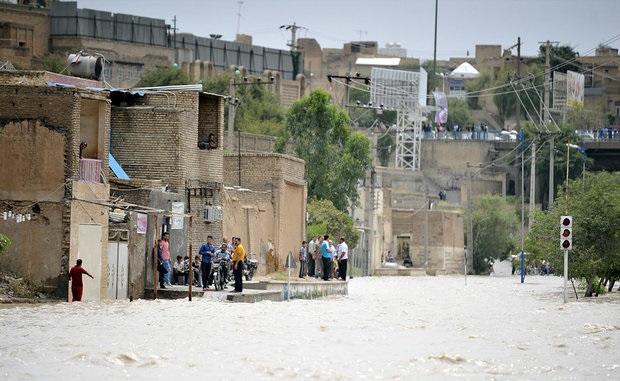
[
  {"x": 155, "y": 138},
  {"x": 268, "y": 209},
  {"x": 50, "y": 183}
]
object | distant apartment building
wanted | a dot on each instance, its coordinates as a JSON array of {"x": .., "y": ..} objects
[{"x": 393, "y": 49}]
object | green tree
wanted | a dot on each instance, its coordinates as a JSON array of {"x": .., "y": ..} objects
[
  {"x": 325, "y": 218},
  {"x": 494, "y": 224},
  {"x": 260, "y": 111},
  {"x": 335, "y": 158},
  {"x": 458, "y": 113},
  {"x": 508, "y": 85},
  {"x": 218, "y": 83},
  {"x": 475, "y": 87},
  {"x": 5, "y": 242},
  {"x": 164, "y": 76},
  {"x": 595, "y": 207},
  {"x": 561, "y": 58}
]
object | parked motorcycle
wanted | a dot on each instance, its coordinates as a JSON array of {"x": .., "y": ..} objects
[{"x": 249, "y": 267}]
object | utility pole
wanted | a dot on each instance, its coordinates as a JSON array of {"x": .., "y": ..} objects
[
  {"x": 231, "y": 117},
  {"x": 518, "y": 116},
  {"x": 361, "y": 32},
  {"x": 545, "y": 114},
  {"x": 294, "y": 47},
  {"x": 293, "y": 28}
]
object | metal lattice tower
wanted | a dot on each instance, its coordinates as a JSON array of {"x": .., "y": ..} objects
[{"x": 405, "y": 92}]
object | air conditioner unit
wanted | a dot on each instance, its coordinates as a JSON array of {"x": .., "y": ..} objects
[{"x": 212, "y": 213}]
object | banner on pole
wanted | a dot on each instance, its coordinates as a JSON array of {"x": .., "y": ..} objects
[{"x": 441, "y": 101}]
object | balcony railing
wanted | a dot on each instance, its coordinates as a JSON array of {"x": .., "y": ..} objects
[{"x": 90, "y": 170}]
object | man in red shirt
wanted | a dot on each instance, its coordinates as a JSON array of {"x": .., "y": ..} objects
[{"x": 75, "y": 275}]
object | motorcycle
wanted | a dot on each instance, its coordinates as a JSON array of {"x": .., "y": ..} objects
[
  {"x": 219, "y": 274},
  {"x": 249, "y": 267}
]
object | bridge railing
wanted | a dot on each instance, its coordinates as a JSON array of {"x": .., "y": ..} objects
[
  {"x": 492, "y": 135},
  {"x": 598, "y": 135}
]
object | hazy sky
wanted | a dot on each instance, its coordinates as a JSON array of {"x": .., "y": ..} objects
[{"x": 462, "y": 24}]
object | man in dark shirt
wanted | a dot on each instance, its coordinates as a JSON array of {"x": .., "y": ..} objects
[{"x": 75, "y": 275}]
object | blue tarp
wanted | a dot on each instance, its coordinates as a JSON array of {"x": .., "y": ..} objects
[{"x": 116, "y": 168}]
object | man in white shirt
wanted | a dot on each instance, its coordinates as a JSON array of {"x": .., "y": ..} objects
[
  {"x": 343, "y": 256},
  {"x": 311, "y": 256}
]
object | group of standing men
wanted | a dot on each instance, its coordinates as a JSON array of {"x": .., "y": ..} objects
[
  {"x": 319, "y": 256},
  {"x": 208, "y": 254}
]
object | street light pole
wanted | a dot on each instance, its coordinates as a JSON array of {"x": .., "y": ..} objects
[{"x": 522, "y": 207}]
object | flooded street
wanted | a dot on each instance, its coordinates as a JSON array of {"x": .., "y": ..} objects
[{"x": 390, "y": 328}]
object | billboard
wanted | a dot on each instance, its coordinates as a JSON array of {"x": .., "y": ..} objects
[{"x": 574, "y": 88}]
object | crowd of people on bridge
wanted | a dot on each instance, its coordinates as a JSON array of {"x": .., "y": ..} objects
[{"x": 477, "y": 131}]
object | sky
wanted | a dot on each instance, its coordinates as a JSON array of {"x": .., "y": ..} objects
[
  {"x": 387, "y": 328},
  {"x": 461, "y": 24}
]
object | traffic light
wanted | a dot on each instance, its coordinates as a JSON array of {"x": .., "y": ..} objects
[{"x": 566, "y": 232}]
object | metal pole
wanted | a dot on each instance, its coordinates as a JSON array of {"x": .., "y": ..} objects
[
  {"x": 427, "y": 204},
  {"x": 239, "y": 156},
  {"x": 522, "y": 204},
  {"x": 470, "y": 229},
  {"x": 435, "y": 48},
  {"x": 231, "y": 115},
  {"x": 566, "y": 212},
  {"x": 565, "y": 273},
  {"x": 191, "y": 267},
  {"x": 567, "y": 161},
  {"x": 583, "y": 169},
  {"x": 530, "y": 217},
  {"x": 155, "y": 272}
]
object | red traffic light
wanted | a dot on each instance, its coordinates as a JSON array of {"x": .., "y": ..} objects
[{"x": 566, "y": 221}]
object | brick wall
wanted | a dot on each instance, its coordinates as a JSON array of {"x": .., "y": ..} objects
[
  {"x": 173, "y": 124},
  {"x": 259, "y": 171}
]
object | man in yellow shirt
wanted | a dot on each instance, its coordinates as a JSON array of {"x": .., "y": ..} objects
[{"x": 238, "y": 256}]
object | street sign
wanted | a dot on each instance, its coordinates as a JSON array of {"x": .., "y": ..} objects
[{"x": 290, "y": 262}]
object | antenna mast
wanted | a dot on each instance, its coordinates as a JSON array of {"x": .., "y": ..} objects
[{"x": 239, "y": 17}]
